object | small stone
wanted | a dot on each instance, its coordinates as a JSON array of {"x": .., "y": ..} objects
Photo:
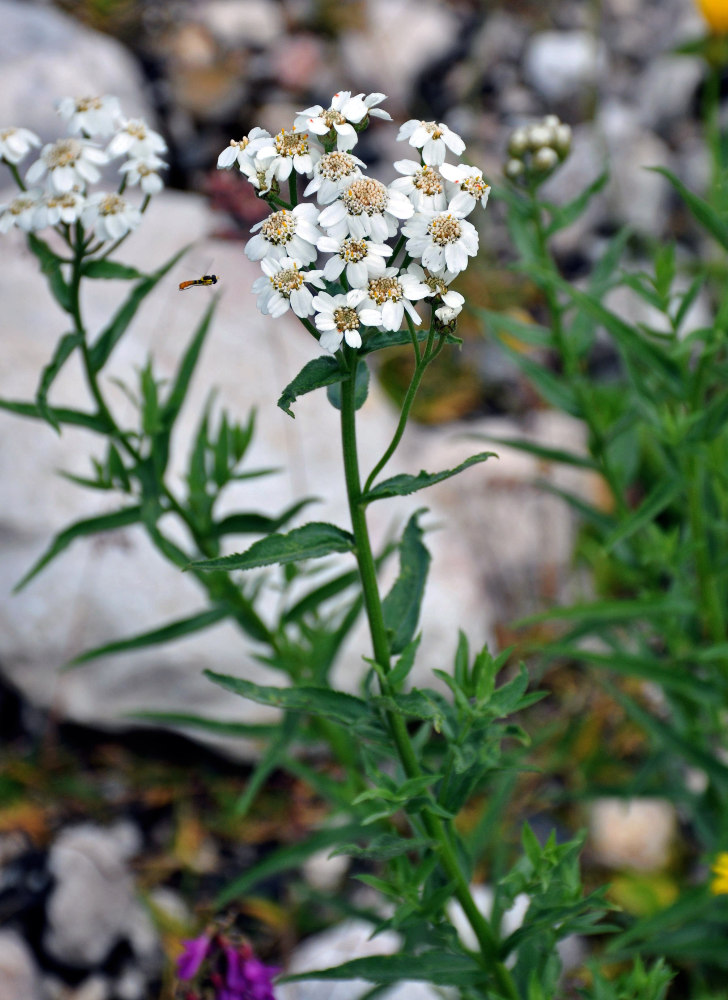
[
  {"x": 561, "y": 64},
  {"x": 632, "y": 834},
  {"x": 18, "y": 973}
]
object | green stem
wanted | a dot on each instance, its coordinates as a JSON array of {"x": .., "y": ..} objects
[
  {"x": 433, "y": 824},
  {"x": 710, "y": 602},
  {"x": 420, "y": 366}
]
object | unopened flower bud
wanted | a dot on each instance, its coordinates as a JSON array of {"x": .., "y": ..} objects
[
  {"x": 518, "y": 142},
  {"x": 563, "y": 140},
  {"x": 514, "y": 169},
  {"x": 545, "y": 159},
  {"x": 540, "y": 135}
]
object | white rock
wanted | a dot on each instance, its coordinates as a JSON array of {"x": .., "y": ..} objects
[
  {"x": 325, "y": 873},
  {"x": 560, "y": 64},
  {"x": 343, "y": 943},
  {"x": 92, "y": 905},
  {"x": 375, "y": 55},
  {"x": 47, "y": 55},
  {"x": 668, "y": 88},
  {"x": 108, "y": 588},
  {"x": 634, "y": 834},
  {"x": 243, "y": 22},
  {"x": 18, "y": 973}
]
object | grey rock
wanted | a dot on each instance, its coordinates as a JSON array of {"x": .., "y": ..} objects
[
  {"x": 19, "y": 979},
  {"x": 47, "y": 55},
  {"x": 561, "y": 64}
]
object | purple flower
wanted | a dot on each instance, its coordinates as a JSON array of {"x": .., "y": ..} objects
[
  {"x": 193, "y": 956},
  {"x": 247, "y": 977}
]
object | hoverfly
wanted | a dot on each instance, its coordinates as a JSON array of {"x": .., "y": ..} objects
[{"x": 206, "y": 279}]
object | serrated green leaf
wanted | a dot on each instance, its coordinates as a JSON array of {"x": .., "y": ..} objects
[
  {"x": 315, "y": 375},
  {"x": 253, "y": 523},
  {"x": 64, "y": 349},
  {"x": 323, "y": 702},
  {"x": 384, "y": 847},
  {"x": 403, "y": 484},
  {"x": 110, "y": 269},
  {"x": 90, "y": 526},
  {"x": 165, "y": 633},
  {"x": 361, "y": 390},
  {"x": 311, "y": 541},
  {"x": 63, "y": 415},
  {"x": 438, "y": 967},
  {"x": 112, "y": 334},
  {"x": 401, "y": 606},
  {"x": 50, "y": 265}
]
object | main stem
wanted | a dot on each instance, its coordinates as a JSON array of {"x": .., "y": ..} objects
[{"x": 380, "y": 643}]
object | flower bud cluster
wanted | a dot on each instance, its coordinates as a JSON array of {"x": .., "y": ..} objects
[
  {"x": 57, "y": 189},
  {"x": 220, "y": 966},
  {"x": 535, "y": 150},
  {"x": 386, "y": 247}
]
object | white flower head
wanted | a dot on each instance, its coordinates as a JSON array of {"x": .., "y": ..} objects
[
  {"x": 90, "y": 115},
  {"x": 340, "y": 317},
  {"x": 144, "y": 171},
  {"x": 135, "y": 139},
  {"x": 15, "y": 143},
  {"x": 366, "y": 208},
  {"x": 54, "y": 208},
  {"x": 20, "y": 212},
  {"x": 433, "y": 138},
  {"x": 243, "y": 151},
  {"x": 110, "y": 215},
  {"x": 283, "y": 286},
  {"x": 466, "y": 187},
  {"x": 423, "y": 185},
  {"x": 68, "y": 163},
  {"x": 389, "y": 295},
  {"x": 442, "y": 241},
  {"x": 332, "y": 174},
  {"x": 448, "y": 303},
  {"x": 340, "y": 118},
  {"x": 360, "y": 257},
  {"x": 287, "y": 233},
  {"x": 289, "y": 150}
]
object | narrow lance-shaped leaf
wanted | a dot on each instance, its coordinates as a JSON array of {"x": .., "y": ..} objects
[
  {"x": 317, "y": 701},
  {"x": 311, "y": 541},
  {"x": 61, "y": 414},
  {"x": 186, "y": 369},
  {"x": 315, "y": 375},
  {"x": 165, "y": 633},
  {"x": 443, "y": 968},
  {"x": 701, "y": 210},
  {"x": 110, "y": 269},
  {"x": 113, "y": 333},
  {"x": 50, "y": 265},
  {"x": 64, "y": 349},
  {"x": 402, "y": 485},
  {"x": 89, "y": 526},
  {"x": 401, "y": 606},
  {"x": 661, "y": 497},
  {"x": 545, "y": 452},
  {"x": 254, "y": 523}
]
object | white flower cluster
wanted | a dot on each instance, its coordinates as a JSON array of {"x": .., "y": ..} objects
[
  {"x": 56, "y": 187},
  {"x": 537, "y": 149},
  {"x": 365, "y": 281}
]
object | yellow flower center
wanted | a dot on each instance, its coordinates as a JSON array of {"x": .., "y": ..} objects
[
  {"x": 287, "y": 281},
  {"x": 366, "y": 197},
  {"x": 112, "y": 204},
  {"x": 428, "y": 181},
  {"x": 334, "y": 166},
  {"x": 445, "y": 229},
  {"x": 383, "y": 290},
  {"x": 346, "y": 318},
  {"x": 279, "y": 227},
  {"x": 352, "y": 251},
  {"x": 63, "y": 153},
  {"x": 291, "y": 143}
]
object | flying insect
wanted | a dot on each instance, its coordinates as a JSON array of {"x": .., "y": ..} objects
[{"x": 206, "y": 279}]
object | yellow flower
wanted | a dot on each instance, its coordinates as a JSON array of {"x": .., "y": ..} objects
[
  {"x": 715, "y": 13},
  {"x": 719, "y": 885}
]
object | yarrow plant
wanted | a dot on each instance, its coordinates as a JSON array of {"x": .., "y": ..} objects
[{"x": 364, "y": 266}]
